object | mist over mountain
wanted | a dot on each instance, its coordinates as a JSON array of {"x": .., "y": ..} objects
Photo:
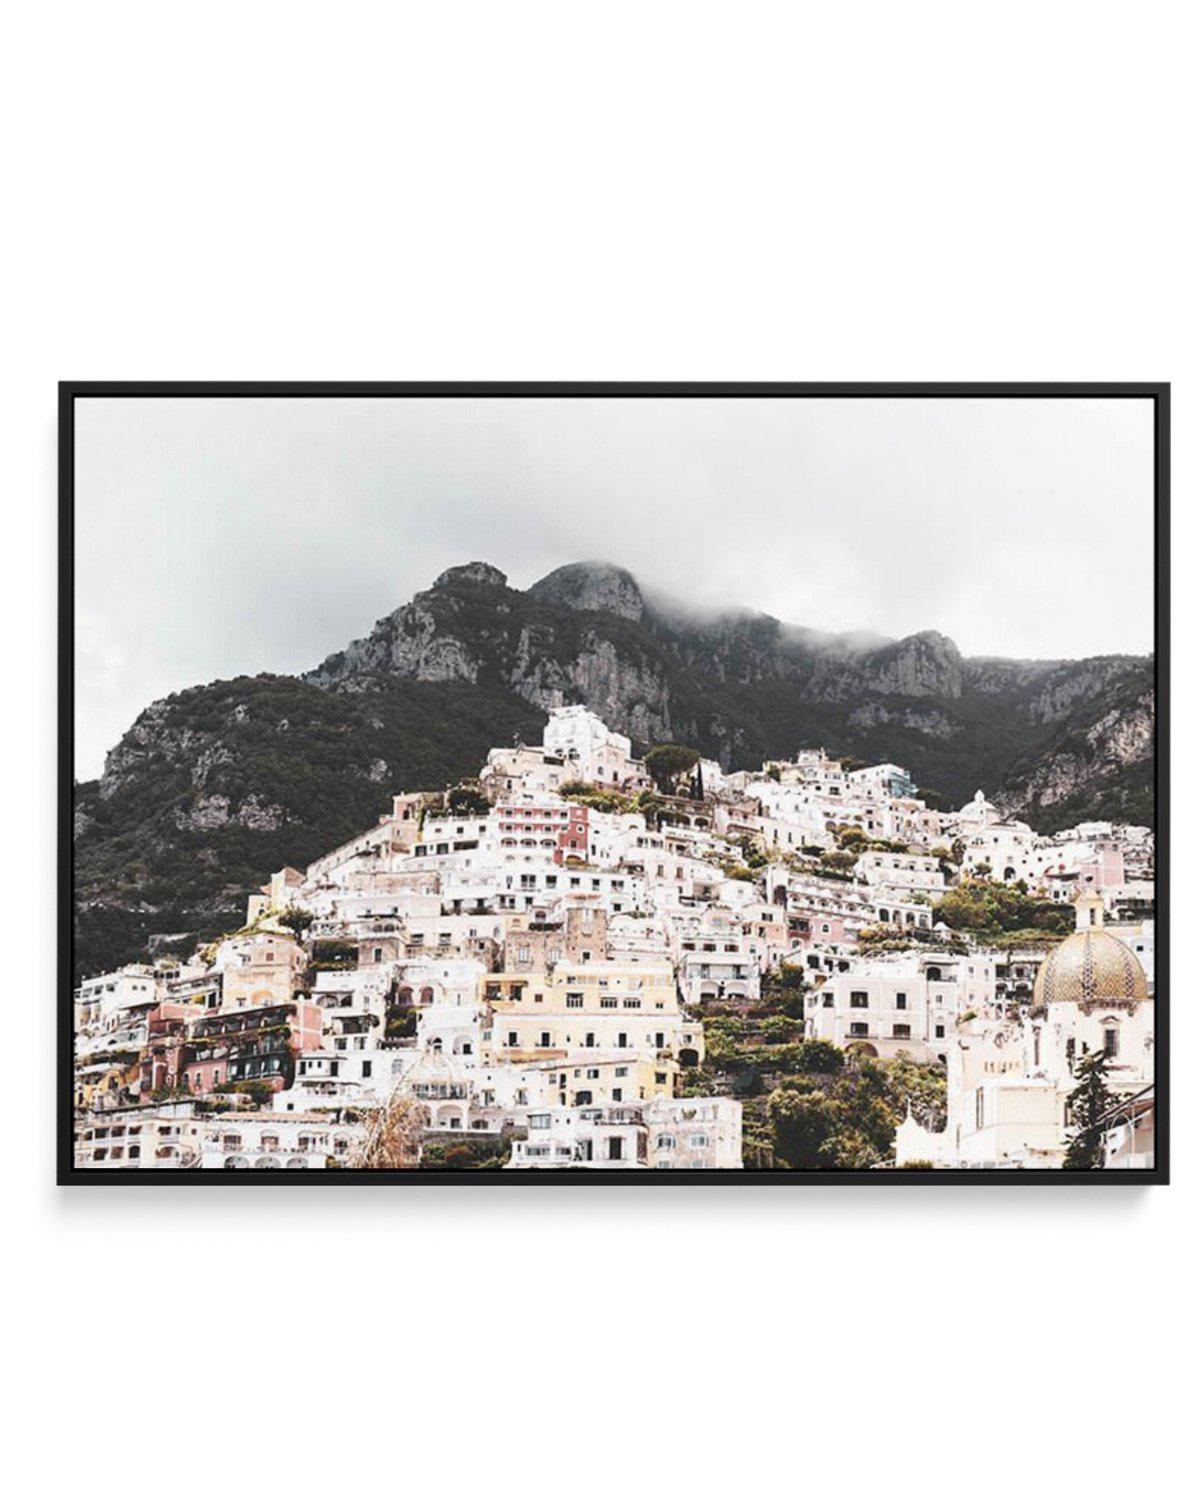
[
  {"x": 740, "y": 685},
  {"x": 215, "y": 787}
]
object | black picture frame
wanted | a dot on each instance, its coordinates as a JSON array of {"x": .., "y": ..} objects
[{"x": 68, "y": 392}]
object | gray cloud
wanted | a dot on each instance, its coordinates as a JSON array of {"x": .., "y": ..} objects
[{"x": 215, "y": 537}]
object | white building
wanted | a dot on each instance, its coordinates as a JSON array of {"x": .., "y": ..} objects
[
  {"x": 906, "y": 1004},
  {"x": 592, "y": 752}
]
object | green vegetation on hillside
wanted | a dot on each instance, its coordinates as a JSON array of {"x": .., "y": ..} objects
[
  {"x": 997, "y": 913},
  {"x": 847, "y": 1120}
]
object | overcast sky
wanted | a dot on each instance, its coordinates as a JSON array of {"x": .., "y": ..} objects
[{"x": 218, "y": 537}]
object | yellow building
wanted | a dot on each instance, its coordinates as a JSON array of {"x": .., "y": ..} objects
[
  {"x": 260, "y": 969},
  {"x": 579, "y": 1009}
]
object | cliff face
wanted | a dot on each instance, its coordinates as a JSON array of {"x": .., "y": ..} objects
[
  {"x": 1101, "y": 766},
  {"x": 214, "y": 788}
]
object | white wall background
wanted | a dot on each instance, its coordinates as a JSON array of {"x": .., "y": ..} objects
[{"x": 617, "y": 191}]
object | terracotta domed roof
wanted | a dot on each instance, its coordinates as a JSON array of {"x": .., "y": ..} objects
[{"x": 1090, "y": 966}]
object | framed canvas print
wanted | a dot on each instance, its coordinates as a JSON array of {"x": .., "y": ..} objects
[{"x": 521, "y": 783}]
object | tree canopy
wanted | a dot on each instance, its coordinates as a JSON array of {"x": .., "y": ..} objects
[
  {"x": 993, "y": 909},
  {"x": 666, "y": 763}
]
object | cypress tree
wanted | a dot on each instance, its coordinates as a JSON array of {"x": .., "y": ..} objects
[{"x": 1088, "y": 1105}]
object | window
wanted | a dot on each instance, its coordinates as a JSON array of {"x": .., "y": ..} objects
[
  {"x": 940, "y": 1032},
  {"x": 901, "y": 1031},
  {"x": 859, "y": 1000},
  {"x": 575, "y": 1000},
  {"x": 1111, "y": 1041},
  {"x": 859, "y": 1031},
  {"x": 901, "y": 1001}
]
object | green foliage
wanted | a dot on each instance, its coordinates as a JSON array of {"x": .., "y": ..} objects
[
  {"x": 820, "y": 1057},
  {"x": 467, "y": 799},
  {"x": 885, "y": 939},
  {"x": 994, "y": 910},
  {"x": 666, "y": 764},
  {"x": 791, "y": 1003},
  {"x": 846, "y": 1120},
  {"x": 1089, "y": 1103},
  {"x": 328, "y": 955},
  {"x": 400, "y": 1023},
  {"x": 921, "y": 1086},
  {"x": 476, "y": 1154},
  {"x": 296, "y": 919},
  {"x": 752, "y": 853},
  {"x": 603, "y": 800},
  {"x": 840, "y": 862},
  {"x": 801, "y": 1124}
]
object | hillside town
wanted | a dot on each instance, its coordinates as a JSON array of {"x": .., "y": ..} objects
[{"x": 585, "y": 960}]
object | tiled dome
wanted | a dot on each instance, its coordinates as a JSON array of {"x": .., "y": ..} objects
[{"x": 1091, "y": 966}]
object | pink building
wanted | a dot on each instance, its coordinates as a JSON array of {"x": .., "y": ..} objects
[{"x": 256, "y": 1044}]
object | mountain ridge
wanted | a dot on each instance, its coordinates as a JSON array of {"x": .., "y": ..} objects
[
  {"x": 215, "y": 787},
  {"x": 588, "y": 633}
]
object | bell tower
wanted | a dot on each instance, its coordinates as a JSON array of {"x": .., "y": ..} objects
[{"x": 1089, "y": 910}]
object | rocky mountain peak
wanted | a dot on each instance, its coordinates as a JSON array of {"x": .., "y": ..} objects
[
  {"x": 933, "y": 643},
  {"x": 477, "y": 573},
  {"x": 593, "y": 585}
]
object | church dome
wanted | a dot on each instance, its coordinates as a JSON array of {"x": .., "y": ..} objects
[{"x": 1090, "y": 966}]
